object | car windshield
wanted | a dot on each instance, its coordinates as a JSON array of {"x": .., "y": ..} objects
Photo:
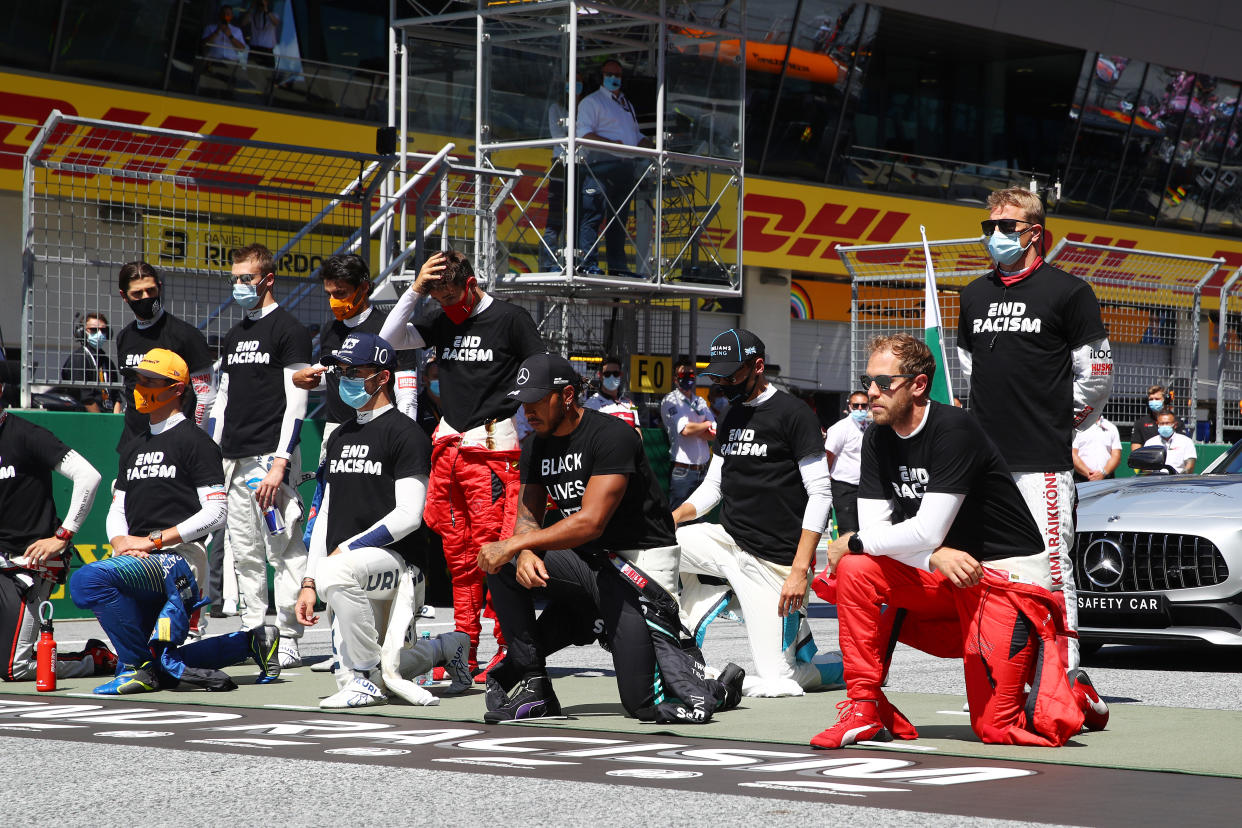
[{"x": 1232, "y": 464}]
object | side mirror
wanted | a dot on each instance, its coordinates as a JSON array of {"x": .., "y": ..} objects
[{"x": 1147, "y": 458}]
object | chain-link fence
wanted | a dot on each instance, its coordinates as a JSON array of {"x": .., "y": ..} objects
[
  {"x": 99, "y": 194},
  {"x": 1150, "y": 302},
  {"x": 1229, "y": 357}
]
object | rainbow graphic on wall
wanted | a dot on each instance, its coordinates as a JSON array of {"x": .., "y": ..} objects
[{"x": 799, "y": 302}]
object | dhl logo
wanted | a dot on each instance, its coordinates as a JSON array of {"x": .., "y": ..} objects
[{"x": 773, "y": 224}]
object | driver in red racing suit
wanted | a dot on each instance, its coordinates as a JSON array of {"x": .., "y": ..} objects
[
  {"x": 949, "y": 560},
  {"x": 479, "y": 342}
]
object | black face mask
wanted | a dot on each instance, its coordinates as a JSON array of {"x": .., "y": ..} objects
[
  {"x": 144, "y": 309},
  {"x": 739, "y": 392}
]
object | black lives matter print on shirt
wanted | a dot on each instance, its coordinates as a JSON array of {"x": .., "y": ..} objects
[
  {"x": 763, "y": 495},
  {"x": 28, "y": 454},
  {"x": 365, "y": 460},
  {"x": 951, "y": 455},
  {"x": 255, "y": 354},
  {"x": 479, "y": 360},
  {"x": 1021, "y": 339},
  {"x": 602, "y": 445},
  {"x": 161, "y": 473},
  {"x": 170, "y": 333}
]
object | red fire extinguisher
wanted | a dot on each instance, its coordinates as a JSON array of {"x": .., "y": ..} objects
[{"x": 45, "y": 654}]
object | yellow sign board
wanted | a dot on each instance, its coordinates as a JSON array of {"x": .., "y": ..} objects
[
  {"x": 651, "y": 374},
  {"x": 177, "y": 243}
]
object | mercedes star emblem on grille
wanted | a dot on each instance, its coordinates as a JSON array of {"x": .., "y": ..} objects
[{"x": 1103, "y": 563}]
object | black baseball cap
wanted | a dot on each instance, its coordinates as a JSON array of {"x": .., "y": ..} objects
[
  {"x": 730, "y": 350},
  {"x": 362, "y": 349},
  {"x": 541, "y": 375}
]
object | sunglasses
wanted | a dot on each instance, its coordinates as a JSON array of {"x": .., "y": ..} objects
[
  {"x": 859, "y": 406},
  {"x": 883, "y": 381},
  {"x": 611, "y": 374},
  {"x": 1006, "y": 225}
]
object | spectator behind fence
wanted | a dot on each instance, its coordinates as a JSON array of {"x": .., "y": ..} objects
[
  {"x": 1096, "y": 451},
  {"x": 257, "y": 418},
  {"x": 1179, "y": 450},
  {"x": 264, "y": 26},
  {"x": 87, "y": 363},
  {"x": 222, "y": 40}
]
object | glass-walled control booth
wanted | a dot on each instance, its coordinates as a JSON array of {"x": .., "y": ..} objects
[{"x": 626, "y": 122}]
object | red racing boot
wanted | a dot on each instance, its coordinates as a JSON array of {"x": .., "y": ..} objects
[
  {"x": 858, "y": 721},
  {"x": 1094, "y": 709}
]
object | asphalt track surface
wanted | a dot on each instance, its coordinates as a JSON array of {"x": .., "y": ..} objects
[{"x": 164, "y": 764}]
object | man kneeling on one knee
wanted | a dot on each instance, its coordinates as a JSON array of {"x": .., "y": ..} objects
[
  {"x": 949, "y": 560},
  {"x": 376, "y": 470}
]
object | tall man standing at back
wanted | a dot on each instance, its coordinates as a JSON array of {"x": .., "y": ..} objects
[
  {"x": 479, "y": 343},
  {"x": 691, "y": 427},
  {"x": 1036, "y": 353},
  {"x": 257, "y": 419}
]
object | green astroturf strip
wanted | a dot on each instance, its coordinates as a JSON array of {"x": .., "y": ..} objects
[{"x": 1138, "y": 737}]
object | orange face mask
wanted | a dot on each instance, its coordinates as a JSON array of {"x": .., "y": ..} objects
[
  {"x": 343, "y": 309},
  {"x": 147, "y": 398}
]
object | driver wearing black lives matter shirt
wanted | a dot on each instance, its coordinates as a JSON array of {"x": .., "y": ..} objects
[{"x": 595, "y": 471}]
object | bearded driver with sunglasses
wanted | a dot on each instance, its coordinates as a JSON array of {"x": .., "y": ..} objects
[{"x": 1035, "y": 350}]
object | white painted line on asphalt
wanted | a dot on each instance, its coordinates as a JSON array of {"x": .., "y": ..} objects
[
  {"x": 291, "y": 706},
  {"x": 954, "y": 712},
  {"x": 897, "y": 746}
]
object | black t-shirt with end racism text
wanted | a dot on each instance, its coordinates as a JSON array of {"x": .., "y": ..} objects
[
  {"x": 161, "y": 474},
  {"x": 255, "y": 354},
  {"x": 763, "y": 495},
  {"x": 1021, "y": 339},
  {"x": 28, "y": 454},
  {"x": 364, "y": 462},
  {"x": 479, "y": 360},
  {"x": 952, "y": 455},
  {"x": 600, "y": 445},
  {"x": 172, "y": 334}
]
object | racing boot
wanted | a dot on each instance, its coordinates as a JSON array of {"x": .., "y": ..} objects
[
  {"x": 731, "y": 677},
  {"x": 532, "y": 698},
  {"x": 102, "y": 660},
  {"x": 265, "y": 650},
  {"x": 1094, "y": 709},
  {"x": 481, "y": 678},
  {"x": 455, "y": 647},
  {"x": 140, "y": 679},
  {"x": 858, "y": 721},
  {"x": 362, "y": 690}
]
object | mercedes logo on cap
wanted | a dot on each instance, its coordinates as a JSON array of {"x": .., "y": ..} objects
[
  {"x": 1104, "y": 563},
  {"x": 523, "y": 376}
]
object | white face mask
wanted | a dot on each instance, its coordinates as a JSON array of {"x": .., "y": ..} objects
[{"x": 612, "y": 383}]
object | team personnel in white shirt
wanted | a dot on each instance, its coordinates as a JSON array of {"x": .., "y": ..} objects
[
  {"x": 256, "y": 419},
  {"x": 771, "y": 476},
  {"x": 843, "y": 445},
  {"x": 364, "y": 545},
  {"x": 691, "y": 427},
  {"x": 1097, "y": 451},
  {"x": 1179, "y": 450},
  {"x": 607, "y": 180},
  {"x": 609, "y": 399}
]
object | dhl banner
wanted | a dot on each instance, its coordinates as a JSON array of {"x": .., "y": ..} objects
[
  {"x": 175, "y": 242},
  {"x": 785, "y": 225}
]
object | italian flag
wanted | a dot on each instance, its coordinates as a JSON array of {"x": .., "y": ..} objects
[{"x": 941, "y": 389}]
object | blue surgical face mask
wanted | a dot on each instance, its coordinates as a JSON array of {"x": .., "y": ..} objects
[
  {"x": 612, "y": 83},
  {"x": 1155, "y": 405},
  {"x": 354, "y": 392},
  {"x": 858, "y": 415},
  {"x": 612, "y": 383},
  {"x": 1165, "y": 431},
  {"x": 434, "y": 387},
  {"x": 1005, "y": 248},
  {"x": 245, "y": 295},
  {"x": 96, "y": 339}
]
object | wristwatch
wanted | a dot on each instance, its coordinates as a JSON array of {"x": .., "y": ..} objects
[
  {"x": 63, "y": 534},
  {"x": 855, "y": 544},
  {"x": 157, "y": 538}
]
